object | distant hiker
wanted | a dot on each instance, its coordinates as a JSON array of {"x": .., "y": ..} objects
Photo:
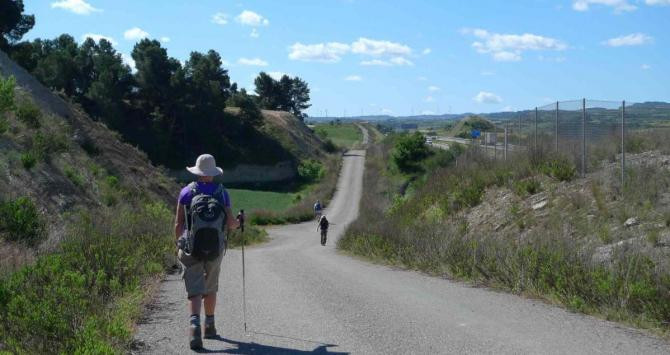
[
  {"x": 318, "y": 209},
  {"x": 240, "y": 220},
  {"x": 203, "y": 212},
  {"x": 323, "y": 226}
]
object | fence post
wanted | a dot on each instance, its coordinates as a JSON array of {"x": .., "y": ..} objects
[
  {"x": 583, "y": 137},
  {"x": 623, "y": 143},
  {"x": 506, "y": 125},
  {"x": 535, "y": 134},
  {"x": 556, "y": 133}
]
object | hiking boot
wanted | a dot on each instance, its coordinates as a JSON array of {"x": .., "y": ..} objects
[
  {"x": 195, "y": 337},
  {"x": 210, "y": 331}
]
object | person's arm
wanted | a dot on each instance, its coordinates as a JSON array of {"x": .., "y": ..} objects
[
  {"x": 231, "y": 223},
  {"x": 179, "y": 221}
]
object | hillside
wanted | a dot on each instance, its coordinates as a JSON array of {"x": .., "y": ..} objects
[{"x": 65, "y": 161}]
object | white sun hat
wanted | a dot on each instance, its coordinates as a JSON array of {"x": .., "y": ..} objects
[{"x": 205, "y": 165}]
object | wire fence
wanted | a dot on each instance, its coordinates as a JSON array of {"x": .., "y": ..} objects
[{"x": 593, "y": 134}]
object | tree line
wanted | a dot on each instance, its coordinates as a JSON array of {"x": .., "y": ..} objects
[{"x": 172, "y": 110}]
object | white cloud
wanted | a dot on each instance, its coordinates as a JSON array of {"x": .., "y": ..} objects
[
  {"x": 220, "y": 18},
  {"x": 387, "y": 111},
  {"x": 426, "y": 51},
  {"x": 487, "y": 73},
  {"x": 421, "y": 78},
  {"x": 373, "y": 47},
  {"x": 645, "y": 66},
  {"x": 427, "y": 112},
  {"x": 128, "y": 60},
  {"x": 97, "y": 38},
  {"x": 257, "y": 62},
  {"x": 401, "y": 61},
  {"x": 633, "y": 39},
  {"x": 165, "y": 39},
  {"x": 487, "y": 98},
  {"x": 79, "y": 7},
  {"x": 619, "y": 6},
  {"x": 254, "y": 33},
  {"x": 433, "y": 88},
  {"x": 331, "y": 52},
  {"x": 509, "y": 47},
  {"x": 250, "y": 18},
  {"x": 508, "y": 109},
  {"x": 377, "y": 62},
  {"x": 353, "y": 78},
  {"x": 657, "y": 2},
  {"x": 429, "y": 99},
  {"x": 395, "y": 61},
  {"x": 135, "y": 34}
]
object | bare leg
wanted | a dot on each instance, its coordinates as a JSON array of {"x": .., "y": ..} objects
[
  {"x": 210, "y": 304},
  {"x": 195, "y": 303}
]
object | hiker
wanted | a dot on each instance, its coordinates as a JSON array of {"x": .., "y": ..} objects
[
  {"x": 318, "y": 209},
  {"x": 240, "y": 220},
  {"x": 323, "y": 225},
  {"x": 203, "y": 212}
]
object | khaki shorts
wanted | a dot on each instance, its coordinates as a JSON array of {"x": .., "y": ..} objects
[{"x": 200, "y": 277}]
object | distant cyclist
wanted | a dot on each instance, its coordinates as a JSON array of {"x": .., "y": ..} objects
[
  {"x": 323, "y": 226},
  {"x": 318, "y": 210}
]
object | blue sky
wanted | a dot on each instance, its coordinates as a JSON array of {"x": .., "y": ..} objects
[{"x": 403, "y": 57}]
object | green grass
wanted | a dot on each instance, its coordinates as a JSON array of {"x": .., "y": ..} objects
[
  {"x": 250, "y": 200},
  {"x": 343, "y": 135}
]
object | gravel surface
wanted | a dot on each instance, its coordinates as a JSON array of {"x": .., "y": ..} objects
[{"x": 305, "y": 298}]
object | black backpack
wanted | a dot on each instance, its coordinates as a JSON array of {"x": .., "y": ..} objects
[{"x": 205, "y": 223}]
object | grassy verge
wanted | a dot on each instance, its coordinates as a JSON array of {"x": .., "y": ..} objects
[
  {"x": 301, "y": 210},
  {"x": 548, "y": 253},
  {"x": 84, "y": 297},
  {"x": 250, "y": 200},
  {"x": 343, "y": 135}
]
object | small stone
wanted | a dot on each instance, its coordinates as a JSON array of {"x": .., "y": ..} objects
[
  {"x": 633, "y": 221},
  {"x": 540, "y": 205}
]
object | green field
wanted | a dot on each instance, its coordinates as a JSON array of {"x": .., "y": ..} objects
[
  {"x": 343, "y": 135},
  {"x": 250, "y": 200}
]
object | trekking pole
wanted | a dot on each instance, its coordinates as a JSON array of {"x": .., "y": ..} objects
[{"x": 244, "y": 288}]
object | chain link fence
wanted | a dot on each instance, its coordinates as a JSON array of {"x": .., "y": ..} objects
[{"x": 593, "y": 134}]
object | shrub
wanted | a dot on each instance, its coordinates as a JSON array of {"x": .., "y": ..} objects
[
  {"x": 7, "y": 94},
  {"x": 29, "y": 114},
  {"x": 4, "y": 125},
  {"x": 409, "y": 151},
  {"x": 529, "y": 186},
  {"x": 85, "y": 298},
  {"x": 21, "y": 222},
  {"x": 88, "y": 145},
  {"x": 44, "y": 145},
  {"x": 73, "y": 176},
  {"x": 329, "y": 146},
  {"x": 28, "y": 160},
  {"x": 310, "y": 170},
  {"x": 559, "y": 168}
]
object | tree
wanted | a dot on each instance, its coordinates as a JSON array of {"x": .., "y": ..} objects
[
  {"x": 267, "y": 90},
  {"x": 408, "y": 152},
  {"x": 154, "y": 71},
  {"x": 13, "y": 23},
  {"x": 208, "y": 83},
  {"x": 299, "y": 97},
  {"x": 250, "y": 114}
]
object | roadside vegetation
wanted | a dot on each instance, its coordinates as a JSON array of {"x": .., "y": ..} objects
[{"x": 528, "y": 225}]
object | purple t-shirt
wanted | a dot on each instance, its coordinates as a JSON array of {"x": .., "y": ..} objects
[{"x": 186, "y": 195}]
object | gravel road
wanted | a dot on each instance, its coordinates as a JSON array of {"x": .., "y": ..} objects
[{"x": 305, "y": 298}]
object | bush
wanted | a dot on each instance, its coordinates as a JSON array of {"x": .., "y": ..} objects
[
  {"x": 88, "y": 145},
  {"x": 559, "y": 168},
  {"x": 21, "y": 222},
  {"x": 29, "y": 114},
  {"x": 44, "y": 145},
  {"x": 85, "y": 298},
  {"x": 310, "y": 170},
  {"x": 74, "y": 176},
  {"x": 329, "y": 146},
  {"x": 409, "y": 151},
  {"x": 7, "y": 94},
  {"x": 28, "y": 160},
  {"x": 529, "y": 186}
]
